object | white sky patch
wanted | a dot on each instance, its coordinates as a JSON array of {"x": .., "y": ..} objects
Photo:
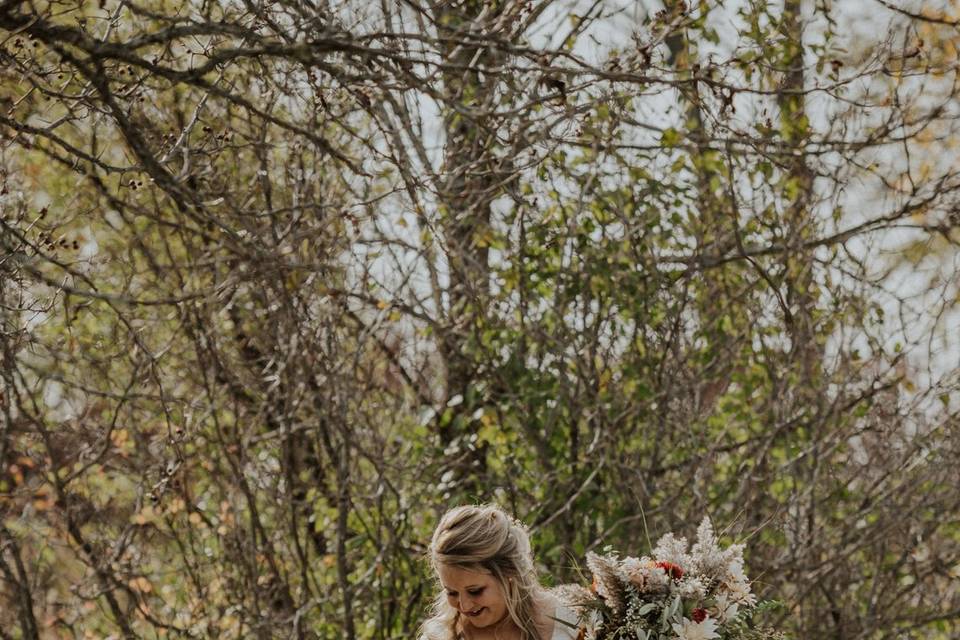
[
  {"x": 52, "y": 394},
  {"x": 89, "y": 247}
]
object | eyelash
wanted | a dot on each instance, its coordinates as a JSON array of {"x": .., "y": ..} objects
[{"x": 453, "y": 594}]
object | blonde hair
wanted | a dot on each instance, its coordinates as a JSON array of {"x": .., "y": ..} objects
[{"x": 484, "y": 538}]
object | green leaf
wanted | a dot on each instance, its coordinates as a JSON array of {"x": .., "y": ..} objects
[{"x": 670, "y": 137}]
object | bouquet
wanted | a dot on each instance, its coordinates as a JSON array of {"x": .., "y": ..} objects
[{"x": 695, "y": 593}]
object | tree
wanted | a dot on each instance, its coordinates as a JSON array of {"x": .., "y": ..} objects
[{"x": 282, "y": 280}]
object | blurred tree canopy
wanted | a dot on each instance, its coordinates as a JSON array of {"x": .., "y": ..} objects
[{"x": 281, "y": 280}]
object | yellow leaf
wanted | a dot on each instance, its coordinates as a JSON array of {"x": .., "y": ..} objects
[
  {"x": 146, "y": 515},
  {"x": 141, "y": 584}
]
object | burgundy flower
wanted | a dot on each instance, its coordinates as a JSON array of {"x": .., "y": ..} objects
[
  {"x": 699, "y": 615},
  {"x": 674, "y": 571}
]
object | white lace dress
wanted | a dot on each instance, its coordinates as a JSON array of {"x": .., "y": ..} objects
[{"x": 564, "y": 631}]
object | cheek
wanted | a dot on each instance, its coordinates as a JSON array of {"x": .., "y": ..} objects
[{"x": 495, "y": 601}]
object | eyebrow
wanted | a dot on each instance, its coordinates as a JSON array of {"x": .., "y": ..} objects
[{"x": 472, "y": 586}]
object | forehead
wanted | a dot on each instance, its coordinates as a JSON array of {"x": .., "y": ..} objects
[{"x": 457, "y": 578}]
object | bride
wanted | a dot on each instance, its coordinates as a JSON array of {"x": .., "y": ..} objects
[{"x": 489, "y": 586}]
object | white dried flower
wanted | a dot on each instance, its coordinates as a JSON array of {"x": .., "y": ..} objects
[
  {"x": 727, "y": 609},
  {"x": 689, "y": 630},
  {"x": 673, "y": 549},
  {"x": 691, "y": 587},
  {"x": 644, "y": 574},
  {"x": 710, "y": 559},
  {"x": 736, "y": 585}
]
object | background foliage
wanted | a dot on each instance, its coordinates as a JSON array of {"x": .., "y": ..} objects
[{"x": 283, "y": 280}]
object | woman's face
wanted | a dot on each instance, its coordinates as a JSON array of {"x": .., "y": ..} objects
[{"x": 477, "y": 595}]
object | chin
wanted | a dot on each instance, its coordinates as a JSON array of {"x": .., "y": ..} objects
[{"x": 485, "y": 619}]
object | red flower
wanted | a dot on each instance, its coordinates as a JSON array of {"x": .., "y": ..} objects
[
  {"x": 699, "y": 615},
  {"x": 672, "y": 570}
]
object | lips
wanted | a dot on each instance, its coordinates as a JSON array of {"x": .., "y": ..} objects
[{"x": 474, "y": 614}]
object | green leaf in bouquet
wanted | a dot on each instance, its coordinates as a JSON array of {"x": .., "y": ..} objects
[
  {"x": 670, "y": 613},
  {"x": 647, "y": 608},
  {"x": 768, "y": 606},
  {"x": 675, "y": 606}
]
